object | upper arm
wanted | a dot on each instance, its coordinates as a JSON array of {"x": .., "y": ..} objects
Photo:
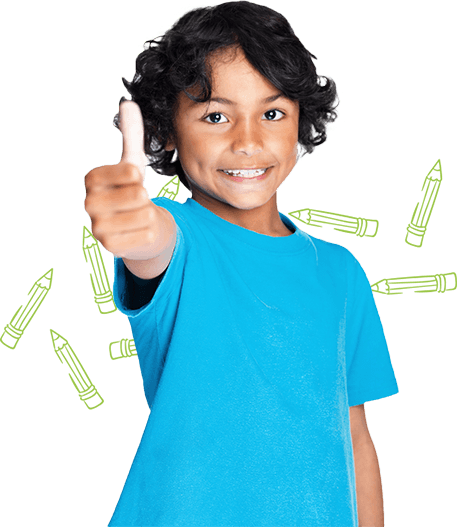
[{"x": 359, "y": 428}]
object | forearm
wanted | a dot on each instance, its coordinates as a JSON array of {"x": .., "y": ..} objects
[{"x": 368, "y": 485}]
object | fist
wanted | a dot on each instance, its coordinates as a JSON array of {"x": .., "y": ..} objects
[{"x": 124, "y": 219}]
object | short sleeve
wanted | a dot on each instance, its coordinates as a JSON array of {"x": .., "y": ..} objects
[
  {"x": 369, "y": 371},
  {"x": 140, "y": 291}
]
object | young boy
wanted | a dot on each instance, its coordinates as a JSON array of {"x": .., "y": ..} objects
[{"x": 258, "y": 344}]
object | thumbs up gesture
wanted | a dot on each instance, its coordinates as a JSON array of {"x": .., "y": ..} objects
[{"x": 124, "y": 219}]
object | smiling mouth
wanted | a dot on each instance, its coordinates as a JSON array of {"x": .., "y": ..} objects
[{"x": 246, "y": 174}]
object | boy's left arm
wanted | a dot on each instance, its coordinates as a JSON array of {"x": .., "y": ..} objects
[{"x": 367, "y": 474}]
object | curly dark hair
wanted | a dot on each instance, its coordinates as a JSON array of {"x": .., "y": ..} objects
[{"x": 178, "y": 61}]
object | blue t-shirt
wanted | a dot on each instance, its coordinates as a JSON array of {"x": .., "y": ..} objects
[{"x": 252, "y": 349}]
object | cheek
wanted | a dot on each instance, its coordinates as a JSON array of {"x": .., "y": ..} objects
[
  {"x": 197, "y": 152},
  {"x": 208, "y": 147},
  {"x": 287, "y": 131},
  {"x": 287, "y": 145}
]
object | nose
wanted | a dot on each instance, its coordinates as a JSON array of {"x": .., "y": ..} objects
[{"x": 247, "y": 138}]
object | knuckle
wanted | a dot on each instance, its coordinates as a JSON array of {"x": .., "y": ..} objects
[
  {"x": 99, "y": 176},
  {"x": 133, "y": 173},
  {"x": 108, "y": 244},
  {"x": 91, "y": 177},
  {"x": 139, "y": 193},
  {"x": 100, "y": 236},
  {"x": 97, "y": 235},
  {"x": 91, "y": 204},
  {"x": 88, "y": 178},
  {"x": 96, "y": 230},
  {"x": 88, "y": 204}
]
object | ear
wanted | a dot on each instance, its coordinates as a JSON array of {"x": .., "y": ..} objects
[{"x": 170, "y": 146}]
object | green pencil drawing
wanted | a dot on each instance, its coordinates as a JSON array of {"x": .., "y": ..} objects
[
  {"x": 123, "y": 349},
  {"x": 170, "y": 189},
  {"x": 340, "y": 222},
  {"x": 98, "y": 277},
  {"x": 15, "y": 329},
  {"x": 438, "y": 283},
  {"x": 78, "y": 375},
  {"x": 417, "y": 227}
]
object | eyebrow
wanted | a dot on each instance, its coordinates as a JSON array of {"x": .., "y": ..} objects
[{"x": 221, "y": 100}]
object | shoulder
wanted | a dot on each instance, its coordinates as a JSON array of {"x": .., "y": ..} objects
[{"x": 333, "y": 255}]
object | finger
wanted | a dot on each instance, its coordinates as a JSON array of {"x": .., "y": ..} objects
[
  {"x": 116, "y": 199},
  {"x": 112, "y": 176},
  {"x": 132, "y": 128},
  {"x": 119, "y": 244},
  {"x": 124, "y": 221}
]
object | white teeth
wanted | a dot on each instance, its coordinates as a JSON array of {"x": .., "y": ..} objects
[{"x": 246, "y": 173}]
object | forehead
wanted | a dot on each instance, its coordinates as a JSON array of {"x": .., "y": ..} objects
[{"x": 231, "y": 76}]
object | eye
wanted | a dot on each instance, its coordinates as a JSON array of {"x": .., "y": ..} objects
[
  {"x": 273, "y": 114},
  {"x": 210, "y": 115},
  {"x": 218, "y": 121}
]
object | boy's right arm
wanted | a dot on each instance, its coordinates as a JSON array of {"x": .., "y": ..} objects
[
  {"x": 124, "y": 219},
  {"x": 164, "y": 246}
]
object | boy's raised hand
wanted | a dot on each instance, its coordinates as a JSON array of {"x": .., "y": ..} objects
[{"x": 124, "y": 219}]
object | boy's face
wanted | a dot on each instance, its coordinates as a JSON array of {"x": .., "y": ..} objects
[{"x": 249, "y": 132}]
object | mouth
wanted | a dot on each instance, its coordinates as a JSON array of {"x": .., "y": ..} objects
[{"x": 242, "y": 175}]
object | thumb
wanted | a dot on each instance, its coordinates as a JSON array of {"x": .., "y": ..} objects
[{"x": 132, "y": 128}]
